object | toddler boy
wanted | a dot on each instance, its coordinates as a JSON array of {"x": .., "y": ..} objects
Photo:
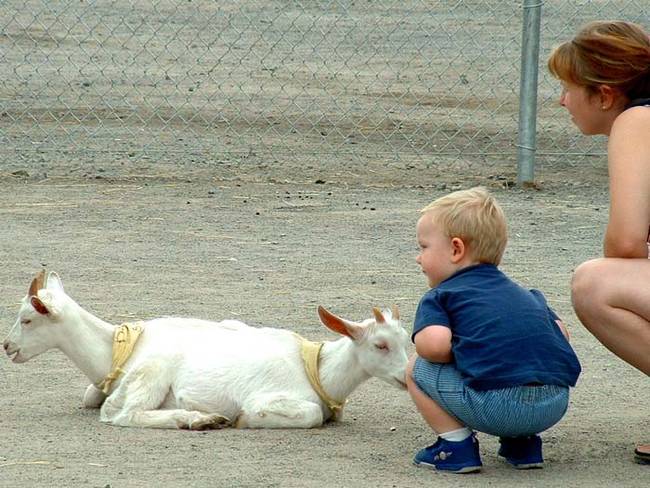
[{"x": 491, "y": 356}]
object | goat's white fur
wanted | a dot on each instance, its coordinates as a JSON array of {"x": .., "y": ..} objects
[{"x": 195, "y": 374}]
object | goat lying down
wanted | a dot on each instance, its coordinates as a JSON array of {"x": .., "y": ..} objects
[{"x": 194, "y": 374}]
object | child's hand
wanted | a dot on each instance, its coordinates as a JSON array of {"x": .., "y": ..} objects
[{"x": 563, "y": 328}]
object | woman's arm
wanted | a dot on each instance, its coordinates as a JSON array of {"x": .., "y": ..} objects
[{"x": 629, "y": 185}]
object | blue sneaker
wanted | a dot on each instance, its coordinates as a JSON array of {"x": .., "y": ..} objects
[
  {"x": 455, "y": 457},
  {"x": 522, "y": 452}
]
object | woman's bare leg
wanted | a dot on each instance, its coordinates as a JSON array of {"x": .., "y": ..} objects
[{"x": 611, "y": 297}]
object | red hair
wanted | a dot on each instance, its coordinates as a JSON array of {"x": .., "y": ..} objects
[{"x": 613, "y": 53}]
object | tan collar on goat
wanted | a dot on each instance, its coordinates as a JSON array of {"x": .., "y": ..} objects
[
  {"x": 124, "y": 339},
  {"x": 310, "y": 353}
]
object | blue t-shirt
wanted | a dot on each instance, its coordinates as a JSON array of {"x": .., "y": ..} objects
[{"x": 503, "y": 335}]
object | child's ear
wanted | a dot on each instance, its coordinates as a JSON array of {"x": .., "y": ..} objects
[{"x": 458, "y": 249}]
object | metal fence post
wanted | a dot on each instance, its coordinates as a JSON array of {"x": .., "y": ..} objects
[{"x": 528, "y": 91}]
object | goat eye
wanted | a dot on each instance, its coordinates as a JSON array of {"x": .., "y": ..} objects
[
  {"x": 382, "y": 347},
  {"x": 26, "y": 322}
]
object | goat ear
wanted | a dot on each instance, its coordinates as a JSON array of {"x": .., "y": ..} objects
[
  {"x": 39, "y": 306},
  {"x": 53, "y": 281},
  {"x": 339, "y": 325},
  {"x": 379, "y": 317},
  {"x": 395, "y": 312},
  {"x": 37, "y": 284}
]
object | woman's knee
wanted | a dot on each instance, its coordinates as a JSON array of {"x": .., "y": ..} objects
[{"x": 586, "y": 284}]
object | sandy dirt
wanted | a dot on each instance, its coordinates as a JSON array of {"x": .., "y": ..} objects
[{"x": 217, "y": 244}]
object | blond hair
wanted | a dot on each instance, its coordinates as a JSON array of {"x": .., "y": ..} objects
[
  {"x": 475, "y": 217},
  {"x": 613, "y": 53}
]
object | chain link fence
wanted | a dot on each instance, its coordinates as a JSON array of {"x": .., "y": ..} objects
[{"x": 203, "y": 82}]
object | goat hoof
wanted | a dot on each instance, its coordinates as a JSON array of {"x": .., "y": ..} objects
[{"x": 215, "y": 421}]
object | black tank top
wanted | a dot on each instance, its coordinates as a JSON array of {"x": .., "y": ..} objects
[{"x": 639, "y": 102}]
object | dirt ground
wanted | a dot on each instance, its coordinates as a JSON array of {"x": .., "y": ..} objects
[{"x": 266, "y": 247}]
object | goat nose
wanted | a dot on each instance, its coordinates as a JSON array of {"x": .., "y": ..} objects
[{"x": 5, "y": 345}]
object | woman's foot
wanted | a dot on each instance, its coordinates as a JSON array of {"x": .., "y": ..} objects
[{"x": 642, "y": 454}]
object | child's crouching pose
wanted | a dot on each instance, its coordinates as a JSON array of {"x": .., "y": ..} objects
[{"x": 491, "y": 356}]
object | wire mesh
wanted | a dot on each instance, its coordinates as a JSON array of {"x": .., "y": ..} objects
[{"x": 204, "y": 81}]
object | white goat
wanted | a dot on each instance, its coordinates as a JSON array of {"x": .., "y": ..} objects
[{"x": 194, "y": 374}]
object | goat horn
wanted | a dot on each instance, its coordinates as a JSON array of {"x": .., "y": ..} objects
[
  {"x": 395, "y": 311},
  {"x": 378, "y": 315},
  {"x": 37, "y": 283}
]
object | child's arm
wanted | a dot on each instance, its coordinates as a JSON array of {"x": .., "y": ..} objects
[
  {"x": 433, "y": 343},
  {"x": 563, "y": 328}
]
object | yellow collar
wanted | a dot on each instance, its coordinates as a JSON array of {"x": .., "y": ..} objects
[
  {"x": 310, "y": 353},
  {"x": 124, "y": 339}
]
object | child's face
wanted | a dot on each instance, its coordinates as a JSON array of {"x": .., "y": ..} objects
[{"x": 436, "y": 251}]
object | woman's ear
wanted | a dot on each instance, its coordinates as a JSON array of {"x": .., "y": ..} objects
[
  {"x": 607, "y": 96},
  {"x": 458, "y": 249}
]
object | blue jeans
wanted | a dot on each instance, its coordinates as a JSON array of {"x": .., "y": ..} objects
[{"x": 504, "y": 412}]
